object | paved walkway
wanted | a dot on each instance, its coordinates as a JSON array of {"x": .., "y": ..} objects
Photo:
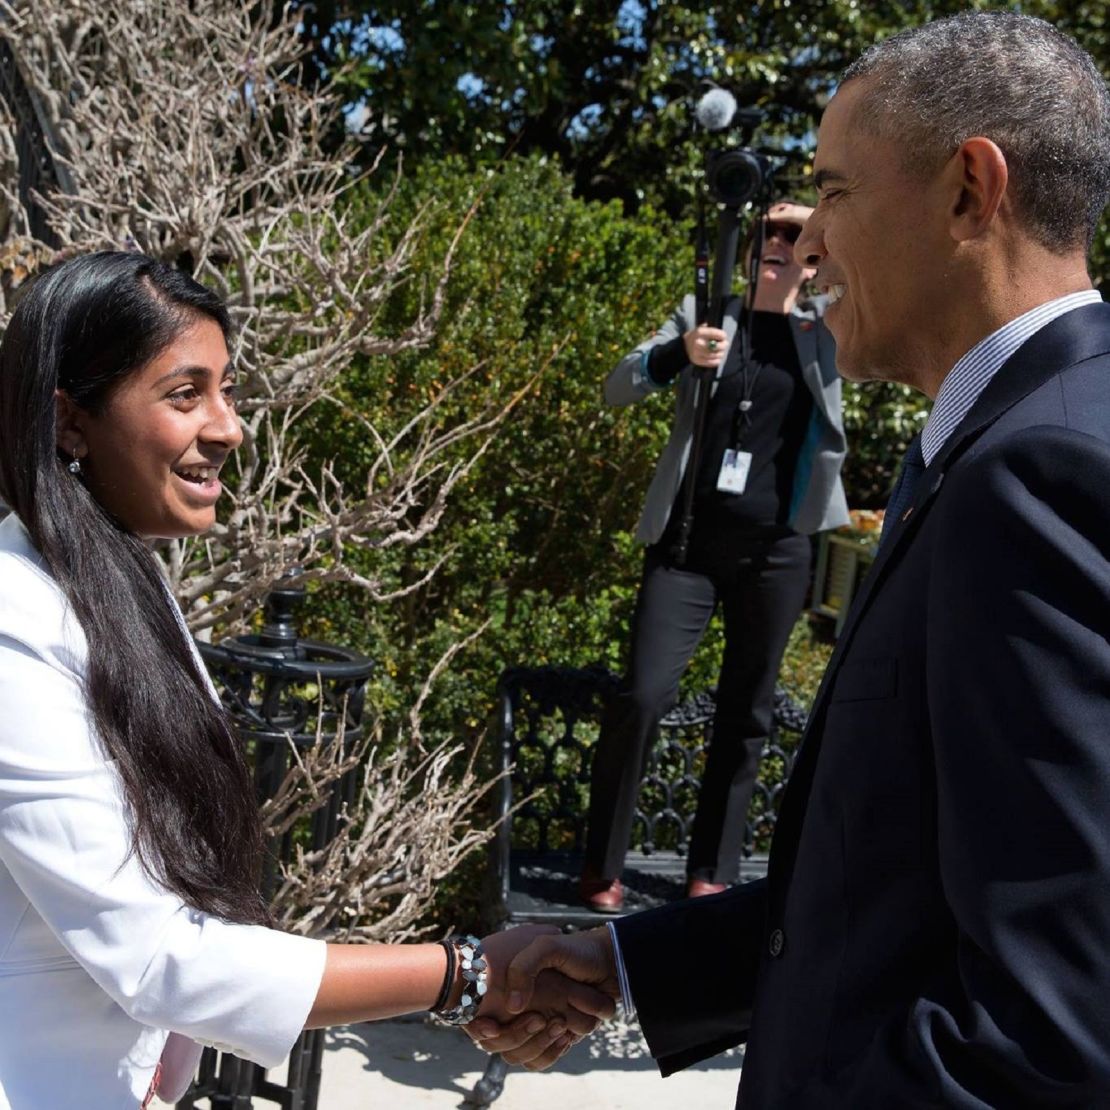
[{"x": 411, "y": 1063}]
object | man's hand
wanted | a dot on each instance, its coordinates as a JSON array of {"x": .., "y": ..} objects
[
  {"x": 584, "y": 957},
  {"x": 559, "y": 1014}
]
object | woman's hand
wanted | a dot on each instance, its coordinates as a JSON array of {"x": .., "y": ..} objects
[
  {"x": 786, "y": 212},
  {"x": 705, "y": 346}
]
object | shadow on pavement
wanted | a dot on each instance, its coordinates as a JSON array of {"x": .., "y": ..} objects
[{"x": 417, "y": 1053}]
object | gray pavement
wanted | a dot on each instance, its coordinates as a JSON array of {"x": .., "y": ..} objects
[{"x": 414, "y": 1063}]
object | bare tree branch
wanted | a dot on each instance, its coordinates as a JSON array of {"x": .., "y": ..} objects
[
  {"x": 185, "y": 131},
  {"x": 375, "y": 880}
]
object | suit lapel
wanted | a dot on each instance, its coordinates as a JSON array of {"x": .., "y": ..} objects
[{"x": 1074, "y": 337}]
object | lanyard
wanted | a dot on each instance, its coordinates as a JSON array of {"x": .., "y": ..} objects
[
  {"x": 749, "y": 369},
  {"x": 749, "y": 372}
]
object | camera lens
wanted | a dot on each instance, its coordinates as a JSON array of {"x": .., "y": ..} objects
[{"x": 735, "y": 177}]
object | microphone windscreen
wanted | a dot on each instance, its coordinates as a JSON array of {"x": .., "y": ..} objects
[{"x": 716, "y": 109}]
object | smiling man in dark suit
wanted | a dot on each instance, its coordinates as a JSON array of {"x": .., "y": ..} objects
[{"x": 935, "y": 926}]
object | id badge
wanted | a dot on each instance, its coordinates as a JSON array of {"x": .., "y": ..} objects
[{"x": 734, "y": 471}]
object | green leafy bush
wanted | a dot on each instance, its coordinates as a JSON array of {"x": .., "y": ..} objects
[{"x": 547, "y": 292}]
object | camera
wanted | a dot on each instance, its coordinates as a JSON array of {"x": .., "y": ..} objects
[{"x": 736, "y": 177}]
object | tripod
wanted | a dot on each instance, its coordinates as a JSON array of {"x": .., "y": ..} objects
[{"x": 710, "y": 309}]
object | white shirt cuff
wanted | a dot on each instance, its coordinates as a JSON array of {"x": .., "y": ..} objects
[{"x": 622, "y": 974}]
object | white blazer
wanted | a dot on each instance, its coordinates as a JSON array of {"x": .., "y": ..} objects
[{"x": 97, "y": 962}]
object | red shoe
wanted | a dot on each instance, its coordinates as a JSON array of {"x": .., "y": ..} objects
[
  {"x": 699, "y": 888},
  {"x": 601, "y": 895}
]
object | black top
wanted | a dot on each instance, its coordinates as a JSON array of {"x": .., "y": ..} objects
[{"x": 772, "y": 430}]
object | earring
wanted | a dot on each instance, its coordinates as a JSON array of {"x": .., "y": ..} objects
[{"x": 75, "y": 466}]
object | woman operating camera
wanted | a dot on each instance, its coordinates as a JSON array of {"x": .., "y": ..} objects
[{"x": 768, "y": 477}]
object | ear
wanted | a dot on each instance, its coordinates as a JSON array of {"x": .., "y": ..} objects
[
  {"x": 68, "y": 422},
  {"x": 979, "y": 176}
]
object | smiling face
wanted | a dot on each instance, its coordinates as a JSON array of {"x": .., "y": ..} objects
[
  {"x": 780, "y": 276},
  {"x": 152, "y": 456},
  {"x": 879, "y": 240},
  {"x": 777, "y": 267}
]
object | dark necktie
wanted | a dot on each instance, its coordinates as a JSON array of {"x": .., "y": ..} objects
[{"x": 913, "y": 466}]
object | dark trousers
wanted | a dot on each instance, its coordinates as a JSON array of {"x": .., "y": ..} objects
[{"x": 760, "y": 586}]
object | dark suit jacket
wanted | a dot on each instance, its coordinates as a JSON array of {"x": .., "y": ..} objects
[{"x": 935, "y": 926}]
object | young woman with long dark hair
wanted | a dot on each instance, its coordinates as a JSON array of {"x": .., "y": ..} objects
[{"x": 129, "y": 837}]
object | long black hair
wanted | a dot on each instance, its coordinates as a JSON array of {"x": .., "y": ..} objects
[{"x": 83, "y": 327}]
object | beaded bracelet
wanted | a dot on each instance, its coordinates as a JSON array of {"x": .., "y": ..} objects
[{"x": 475, "y": 973}]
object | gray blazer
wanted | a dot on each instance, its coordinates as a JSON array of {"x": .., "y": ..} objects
[{"x": 818, "y": 500}]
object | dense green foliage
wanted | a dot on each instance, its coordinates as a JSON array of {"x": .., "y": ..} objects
[
  {"x": 547, "y": 292},
  {"x": 539, "y": 539},
  {"x": 607, "y": 87}
]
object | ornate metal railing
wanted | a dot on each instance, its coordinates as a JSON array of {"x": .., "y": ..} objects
[{"x": 283, "y": 692}]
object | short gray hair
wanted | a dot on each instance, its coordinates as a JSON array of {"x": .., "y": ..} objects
[{"x": 1015, "y": 80}]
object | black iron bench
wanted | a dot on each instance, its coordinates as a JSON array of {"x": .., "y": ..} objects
[{"x": 548, "y": 719}]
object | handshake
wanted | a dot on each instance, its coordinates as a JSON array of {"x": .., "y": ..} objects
[{"x": 546, "y": 992}]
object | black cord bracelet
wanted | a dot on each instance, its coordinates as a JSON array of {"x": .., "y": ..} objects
[{"x": 448, "y": 977}]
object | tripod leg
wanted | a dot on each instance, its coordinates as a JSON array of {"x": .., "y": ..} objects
[{"x": 488, "y": 1089}]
